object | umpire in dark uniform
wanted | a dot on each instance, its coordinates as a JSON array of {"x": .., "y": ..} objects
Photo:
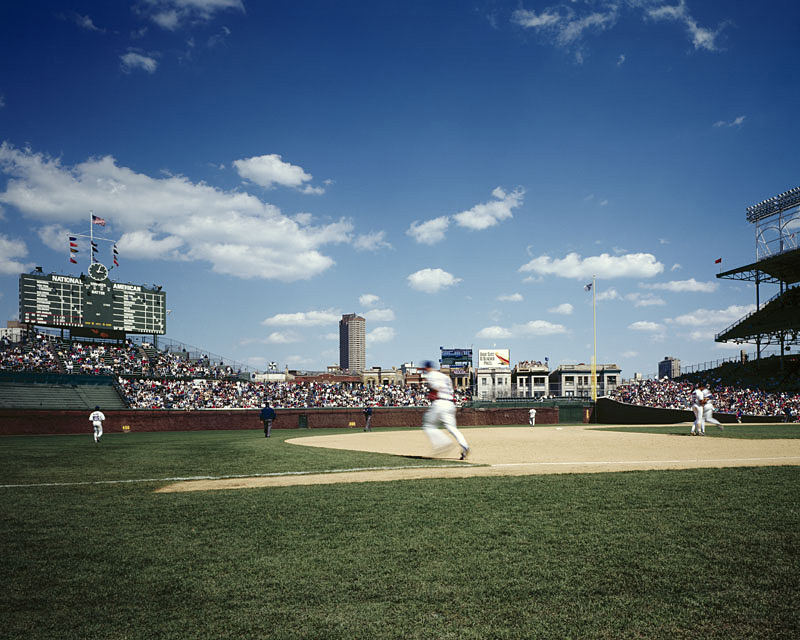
[{"x": 267, "y": 416}]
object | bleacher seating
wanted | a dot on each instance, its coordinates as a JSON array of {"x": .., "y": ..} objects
[{"x": 26, "y": 395}]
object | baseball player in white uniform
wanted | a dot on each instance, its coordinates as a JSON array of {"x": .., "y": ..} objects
[
  {"x": 698, "y": 403},
  {"x": 441, "y": 412},
  {"x": 96, "y": 417},
  {"x": 708, "y": 411},
  {"x": 532, "y": 417}
]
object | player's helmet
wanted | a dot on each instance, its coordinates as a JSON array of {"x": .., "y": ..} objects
[{"x": 427, "y": 364}]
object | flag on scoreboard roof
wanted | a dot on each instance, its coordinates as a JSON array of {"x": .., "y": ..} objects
[
  {"x": 718, "y": 261},
  {"x": 588, "y": 287},
  {"x": 98, "y": 220},
  {"x": 73, "y": 249}
]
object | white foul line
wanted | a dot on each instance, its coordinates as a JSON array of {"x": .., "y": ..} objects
[{"x": 277, "y": 474}]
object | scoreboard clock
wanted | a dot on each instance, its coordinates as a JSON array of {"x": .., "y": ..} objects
[{"x": 91, "y": 303}]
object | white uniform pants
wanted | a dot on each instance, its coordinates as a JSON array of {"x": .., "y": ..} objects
[
  {"x": 98, "y": 430},
  {"x": 699, "y": 425},
  {"x": 442, "y": 413},
  {"x": 708, "y": 414}
]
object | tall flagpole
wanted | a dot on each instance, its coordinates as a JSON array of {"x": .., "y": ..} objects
[
  {"x": 594, "y": 355},
  {"x": 91, "y": 239}
]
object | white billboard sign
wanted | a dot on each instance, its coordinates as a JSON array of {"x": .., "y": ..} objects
[{"x": 494, "y": 358}]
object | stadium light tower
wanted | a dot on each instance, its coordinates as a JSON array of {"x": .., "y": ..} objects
[{"x": 777, "y": 221}]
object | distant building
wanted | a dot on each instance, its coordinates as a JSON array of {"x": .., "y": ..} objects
[
  {"x": 378, "y": 377},
  {"x": 575, "y": 380},
  {"x": 669, "y": 368},
  {"x": 529, "y": 379},
  {"x": 352, "y": 343}
]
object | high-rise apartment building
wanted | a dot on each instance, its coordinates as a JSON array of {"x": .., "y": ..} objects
[
  {"x": 669, "y": 368},
  {"x": 352, "y": 343}
]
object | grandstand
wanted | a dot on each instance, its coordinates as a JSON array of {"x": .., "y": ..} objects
[{"x": 777, "y": 321}]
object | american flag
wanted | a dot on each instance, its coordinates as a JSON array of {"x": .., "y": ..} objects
[{"x": 98, "y": 220}]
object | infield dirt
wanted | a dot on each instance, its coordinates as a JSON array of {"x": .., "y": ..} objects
[{"x": 516, "y": 451}]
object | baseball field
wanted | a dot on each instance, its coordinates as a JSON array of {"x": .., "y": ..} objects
[{"x": 545, "y": 532}]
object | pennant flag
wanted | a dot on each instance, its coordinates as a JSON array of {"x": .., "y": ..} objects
[
  {"x": 73, "y": 244},
  {"x": 718, "y": 260},
  {"x": 588, "y": 287},
  {"x": 115, "y": 253},
  {"x": 98, "y": 220},
  {"x": 72, "y": 250},
  {"x": 73, "y": 260}
]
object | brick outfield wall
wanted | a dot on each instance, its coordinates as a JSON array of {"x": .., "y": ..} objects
[{"x": 51, "y": 422}]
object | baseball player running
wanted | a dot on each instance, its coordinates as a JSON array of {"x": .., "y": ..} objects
[
  {"x": 698, "y": 403},
  {"x": 441, "y": 412},
  {"x": 708, "y": 411},
  {"x": 96, "y": 417}
]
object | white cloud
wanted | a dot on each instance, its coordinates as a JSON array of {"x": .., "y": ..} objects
[
  {"x": 84, "y": 22},
  {"x": 11, "y": 250},
  {"x": 237, "y": 233},
  {"x": 644, "y": 325},
  {"x": 282, "y": 337},
  {"x": 488, "y": 214},
  {"x": 632, "y": 265},
  {"x": 676, "y": 267},
  {"x": 432, "y": 280},
  {"x": 144, "y": 245},
  {"x": 736, "y": 122},
  {"x": 430, "y": 231},
  {"x": 368, "y": 299},
  {"x": 621, "y": 60},
  {"x": 645, "y": 300},
  {"x": 630, "y": 354},
  {"x": 564, "y": 26},
  {"x": 380, "y": 334},
  {"x": 512, "y": 297},
  {"x": 682, "y": 286},
  {"x": 706, "y": 317},
  {"x": 379, "y": 315},
  {"x": 568, "y": 25},
  {"x": 539, "y": 328},
  {"x": 304, "y": 318},
  {"x": 701, "y": 37},
  {"x": 565, "y": 308},
  {"x": 493, "y": 333},
  {"x": 172, "y": 14},
  {"x": 608, "y": 294},
  {"x": 296, "y": 361},
  {"x": 372, "y": 241},
  {"x": 270, "y": 169},
  {"x": 135, "y": 60}
]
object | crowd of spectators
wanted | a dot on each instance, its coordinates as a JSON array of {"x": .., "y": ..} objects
[
  {"x": 671, "y": 394},
  {"x": 36, "y": 355},
  {"x": 146, "y": 393}
]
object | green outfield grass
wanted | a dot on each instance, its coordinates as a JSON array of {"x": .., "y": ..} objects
[
  {"x": 746, "y": 431},
  {"x": 671, "y": 554}
]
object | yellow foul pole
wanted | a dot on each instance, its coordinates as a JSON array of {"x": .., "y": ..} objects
[{"x": 594, "y": 354}]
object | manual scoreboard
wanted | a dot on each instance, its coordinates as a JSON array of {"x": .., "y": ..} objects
[{"x": 91, "y": 303}]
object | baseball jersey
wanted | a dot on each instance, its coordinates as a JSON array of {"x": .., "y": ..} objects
[
  {"x": 698, "y": 397},
  {"x": 97, "y": 416},
  {"x": 441, "y": 384}
]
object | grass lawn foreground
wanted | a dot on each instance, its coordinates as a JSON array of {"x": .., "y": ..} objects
[{"x": 711, "y": 553}]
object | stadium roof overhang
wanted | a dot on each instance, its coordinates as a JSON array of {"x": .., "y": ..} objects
[{"x": 783, "y": 267}]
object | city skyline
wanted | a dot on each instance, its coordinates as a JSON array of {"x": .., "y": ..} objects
[{"x": 454, "y": 174}]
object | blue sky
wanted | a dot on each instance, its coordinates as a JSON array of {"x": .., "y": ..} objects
[{"x": 456, "y": 172}]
